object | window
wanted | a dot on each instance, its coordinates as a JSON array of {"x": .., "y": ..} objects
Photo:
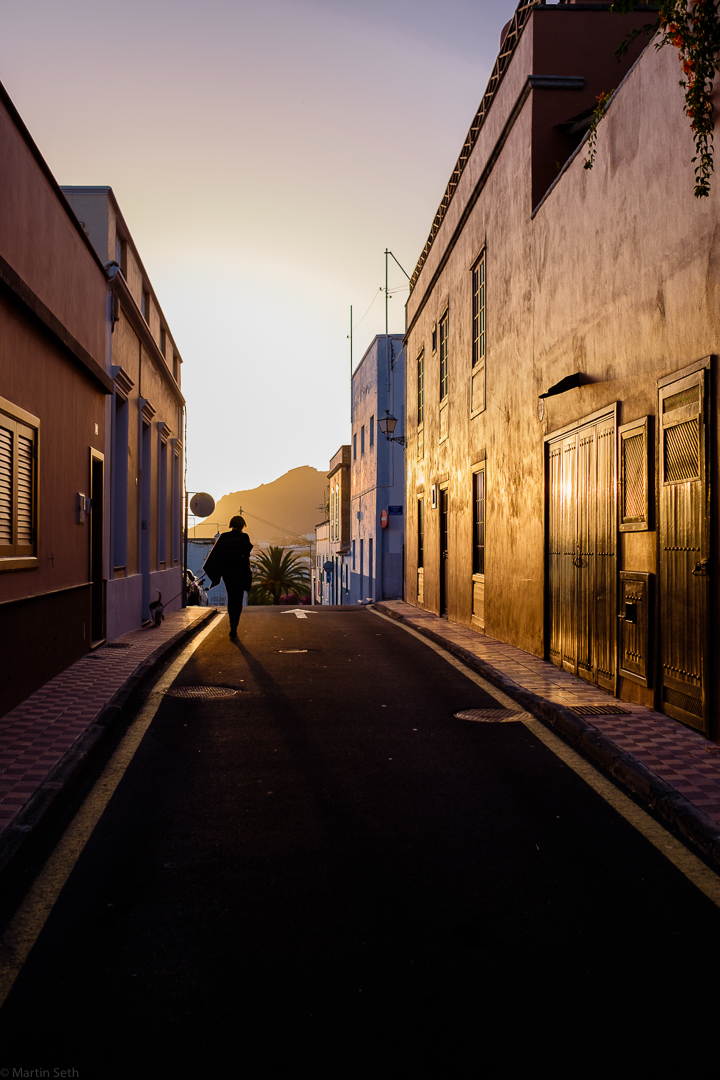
[
  {"x": 335, "y": 522},
  {"x": 176, "y": 517},
  {"x": 353, "y": 554},
  {"x": 477, "y": 398},
  {"x": 162, "y": 495},
  {"x": 444, "y": 356},
  {"x": 355, "y": 446},
  {"x": 146, "y": 307},
  {"x": 120, "y": 481},
  {"x": 478, "y": 535},
  {"x": 372, "y": 430},
  {"x": 420, "y": 388},
  {"x": 163, "y": 341},
  {"x": 478, "y": 311},
  {"x": 19, "y": 433},
  {"x": 362, "y": 439},
  {"x": 634, "y": 472},
  {"x": 434, "y": 337}
]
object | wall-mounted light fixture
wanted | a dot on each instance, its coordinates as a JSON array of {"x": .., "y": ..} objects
[{"x": 387, "y": 425}]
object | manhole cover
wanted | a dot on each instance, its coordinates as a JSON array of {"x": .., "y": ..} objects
[
  {"x": 201, "y": 692},
  {"x": 292, "y": 650},
  {"x": 118, "y": 645},
  {"x": 489, "y": 716}
]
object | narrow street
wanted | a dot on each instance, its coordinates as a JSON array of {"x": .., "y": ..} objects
[{"x": 329, "y": 872}]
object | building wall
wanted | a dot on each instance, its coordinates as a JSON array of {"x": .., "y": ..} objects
[
  {"x": 145, "y": 491},
  {"x": 53, "y": 294},
  {"x": 378, "y": 472},
  {"x": 614, "y": 275},
  {"x": 339, "y": 525}
]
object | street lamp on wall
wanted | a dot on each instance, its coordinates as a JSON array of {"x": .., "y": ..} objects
[{"x": 387, "y": 424}]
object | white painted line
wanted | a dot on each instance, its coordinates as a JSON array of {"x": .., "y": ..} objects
[
  {"x": 24, "y": 929},
  {"x": 299, "y": 613},
  {"x": 694, "y": 869}
]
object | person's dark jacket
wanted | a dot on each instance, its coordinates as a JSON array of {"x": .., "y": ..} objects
[{"x": 230, "y": 560}]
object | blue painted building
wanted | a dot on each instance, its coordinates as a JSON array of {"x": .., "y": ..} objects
[{"x": 377, "y": 471}]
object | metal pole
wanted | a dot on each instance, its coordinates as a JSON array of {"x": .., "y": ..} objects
[
  {"x": 386, "y": 293},
  {"x": 185, "y": 555}
]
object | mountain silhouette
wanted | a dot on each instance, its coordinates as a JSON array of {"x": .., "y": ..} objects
[{"x": 277, "y": 513}]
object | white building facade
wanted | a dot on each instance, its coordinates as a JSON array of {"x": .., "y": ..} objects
[{"x": 377, "y": 516}]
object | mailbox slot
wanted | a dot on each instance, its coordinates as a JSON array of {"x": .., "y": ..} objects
[{"x": 634, "y": 627}]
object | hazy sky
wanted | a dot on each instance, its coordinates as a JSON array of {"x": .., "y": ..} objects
[{"x": 264, "y": 156}]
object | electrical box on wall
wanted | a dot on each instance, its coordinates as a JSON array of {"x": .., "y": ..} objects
[{"x": 84, "y": 506}]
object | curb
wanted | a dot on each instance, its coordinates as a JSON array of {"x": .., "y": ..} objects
[
  {"x": 61, "y": 784},
  {"x": 698, "y": 831}
]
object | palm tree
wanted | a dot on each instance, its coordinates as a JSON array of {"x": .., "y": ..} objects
[{"x": 277, "y": 572}]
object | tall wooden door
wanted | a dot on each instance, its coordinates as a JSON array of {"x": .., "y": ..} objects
[
  {"x": 684, "y": 540},
  {"x": 444, "y": 505},
  {"x": 581, "y": 551}
]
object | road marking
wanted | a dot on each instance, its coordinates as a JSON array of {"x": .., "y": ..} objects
[
  {"x": 693, "y": 868},
  {"x": 23, "y": 931},
  {"x": 299, "y": 613}
]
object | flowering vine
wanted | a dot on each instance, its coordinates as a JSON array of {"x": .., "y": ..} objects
[
  {"x": 693, "y": 28},
  {"x": 598, "y": 113}
]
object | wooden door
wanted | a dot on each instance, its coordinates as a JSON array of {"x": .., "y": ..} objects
[
  {"x": 684, "y": 539},
  {"x": 443, "y": 550},
  {"x": 581, "y": 551}
]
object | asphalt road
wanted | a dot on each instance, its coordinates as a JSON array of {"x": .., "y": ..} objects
[{"x": 330, "y": 874}]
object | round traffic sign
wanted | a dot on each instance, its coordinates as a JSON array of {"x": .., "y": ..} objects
[
  {"x": 202, "y": 504},
  {"x": 384, "y": 519}
]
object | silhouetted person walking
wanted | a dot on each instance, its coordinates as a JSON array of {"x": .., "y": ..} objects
[{"x": 230, "y": 560}]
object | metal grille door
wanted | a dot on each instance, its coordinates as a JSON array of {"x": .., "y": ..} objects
[
  {"x": 582, "y": 551},
  {"x": 684, "y": 518}
]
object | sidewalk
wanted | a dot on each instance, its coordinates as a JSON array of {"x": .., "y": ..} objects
[
  {"x": 47, "y": 742},
  {"x": 670, "y": 768}
]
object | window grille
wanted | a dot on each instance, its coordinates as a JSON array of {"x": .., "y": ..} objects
[
  {"x": 634, "y": 476},
  {"x": 682, "y": 452}
]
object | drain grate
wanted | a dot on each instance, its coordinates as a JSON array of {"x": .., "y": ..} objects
[
  {"x": 599, "y": 710},
  {"x": 118, "y": 645},
  {"x": 201, "y": 692},
  {"x": 489, "y": 716}
]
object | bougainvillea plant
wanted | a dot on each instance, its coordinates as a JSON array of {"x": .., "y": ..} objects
[
  {"x": 598, "y": 113},
  {"x": 693, "y": 28}
]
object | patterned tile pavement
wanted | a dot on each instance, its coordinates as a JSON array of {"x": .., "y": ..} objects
[
  {"x": 36, "y": 734},
  {"x": 685, "y": 760}
]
